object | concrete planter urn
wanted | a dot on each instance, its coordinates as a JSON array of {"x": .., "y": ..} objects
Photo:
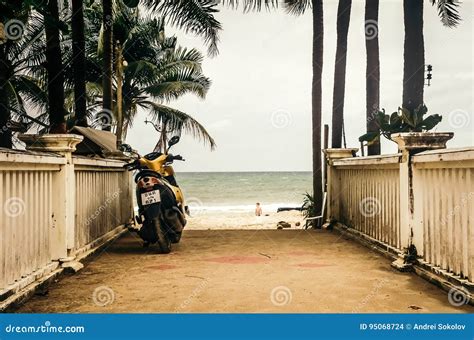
[
  {"x": 51, "y": 143},
  {"x": 340, "y": 153},
  {"x": 421, "y": 141}
]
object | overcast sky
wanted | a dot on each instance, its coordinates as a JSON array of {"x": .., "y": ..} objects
[{"x": 259, "y": 106}]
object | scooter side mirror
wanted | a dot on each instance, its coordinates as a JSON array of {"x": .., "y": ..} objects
[{"x": 174, "y": 140}]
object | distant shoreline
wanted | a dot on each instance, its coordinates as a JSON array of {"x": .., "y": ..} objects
[{"x": 241, "y": 172}]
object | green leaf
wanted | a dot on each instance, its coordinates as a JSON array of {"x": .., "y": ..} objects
[
  {"x": 419, "y": 113},
  {"x": 369, "y": 137},
  {"x": 395, "y": 119},
  {"x": 407, "y": 116},
  {"x": 430, "y": 122}
]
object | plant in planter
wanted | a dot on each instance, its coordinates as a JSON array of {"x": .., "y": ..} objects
[{"x": 400, "y": 121}]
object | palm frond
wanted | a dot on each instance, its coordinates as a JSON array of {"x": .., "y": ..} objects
[
  {"x": 193, "y": 16},
  {"x": 179, "y": 122},
  {"x": 448, "y": 12},
  {"x": 251, "y": 5},
  {"x": 177, "y": 84},
  {"x": 297, "y": 7}
]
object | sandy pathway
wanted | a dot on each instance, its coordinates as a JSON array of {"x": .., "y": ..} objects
[{"x": 243, "y": 271}]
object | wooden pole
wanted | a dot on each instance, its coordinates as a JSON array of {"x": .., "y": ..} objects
[
  {"x": 326, "y": 145},
  {"x": 119, "y": 112}
]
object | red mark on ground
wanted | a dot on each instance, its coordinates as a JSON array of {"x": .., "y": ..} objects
[
  {"x": 312, "y": 265},
  {"x": 238, "y": 259},
  {"x": 162, "y": 267}
]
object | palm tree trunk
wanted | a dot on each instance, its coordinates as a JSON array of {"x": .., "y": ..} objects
[
  {"x": 318, "y": 44},
  {"x": 79, "y": 62},
  {"x": 54, "y": 66},
  {"x": 414, "y": 54},
  {"x": 343, "y": 19},
  {"x": 372, "y": 70},
  {"x": 119, "y": 97},
  {"x": 5, "y": 132},
  {"x": 107, "y": 92}
]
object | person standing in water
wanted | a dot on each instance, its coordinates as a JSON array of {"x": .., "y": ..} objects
[{"x": 258, "y": 210}]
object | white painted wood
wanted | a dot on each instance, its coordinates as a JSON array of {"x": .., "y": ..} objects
[
  {"x": 439, "y": 221},
  {"x": 446, "y": 201},
  {"x": 45, "y": 186},
  {"x": 103, "y": 199}
]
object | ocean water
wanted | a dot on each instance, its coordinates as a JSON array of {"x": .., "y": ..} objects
[{"x": 239, "y": 191}]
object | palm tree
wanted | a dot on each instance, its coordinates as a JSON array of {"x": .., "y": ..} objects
[
  {"x": 414, "y": 55},
  {"x": 156, "y": 72},
  {"x": 372, "y": 71},
  {"x": 414, "y": 50},
  {"x": 298, "y": 7},
  {"x": 107, "y": 36},
  {"x": 54, "y": 66},
  {"x": 343, "y": 19},
  {"x": 318, "y": 45},
  {"x": 22, "y": 87},
  {"x": 79, "y": 62}
]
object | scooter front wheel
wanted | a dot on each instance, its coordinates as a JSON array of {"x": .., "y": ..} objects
[{"x": 163, "y": 241}]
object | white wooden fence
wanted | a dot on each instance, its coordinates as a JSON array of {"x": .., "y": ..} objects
[
  {"x": 369, "y": 197},
  {"x": 103, "y": 198},
  {"x": 445, "y": 202},
  {"x": 53, "y": 207},
  {"x": 425, "y": 200}
]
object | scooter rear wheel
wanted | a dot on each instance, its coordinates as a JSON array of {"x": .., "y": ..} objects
[{"x": 163, "y": 241}]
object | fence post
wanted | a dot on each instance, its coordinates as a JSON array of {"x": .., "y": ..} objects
[
  {"x": 64, "y": 190},
  {"x": 333, "y": 187},
  {"x": 411, "y": 211}
]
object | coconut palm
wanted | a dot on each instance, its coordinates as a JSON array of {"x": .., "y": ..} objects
[
  {"x": 21, "y": 54},
  {"x": 107, "y": 36},
  {"x": 414, "y": 50},
  {"x": 343, "y": 19},
  {"x": 372, "y": 71},
  {"x": 79, "y": 62},
  {"x": 298, "y": 7},
  {"x": 157, "y": 71},
  {"x": 54, "y": 67}
]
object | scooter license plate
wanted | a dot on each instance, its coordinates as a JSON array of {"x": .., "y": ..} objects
[{"x": 151, "y": 197}]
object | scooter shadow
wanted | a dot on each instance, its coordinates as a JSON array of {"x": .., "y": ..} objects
[{"x": 131, "y": 243}]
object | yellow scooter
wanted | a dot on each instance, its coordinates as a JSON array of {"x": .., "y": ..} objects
[{"x": 161, "y": 205}]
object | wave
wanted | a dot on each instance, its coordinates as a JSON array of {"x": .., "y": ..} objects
[
  {"x": 241, "y": 208},
  {"x": 238, "y": 208}
]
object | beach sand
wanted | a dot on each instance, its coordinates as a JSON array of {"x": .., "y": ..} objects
[{"x": 242, "y": 220}]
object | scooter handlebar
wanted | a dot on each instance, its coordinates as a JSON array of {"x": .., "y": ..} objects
[{"x": 131, "y": 165}]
